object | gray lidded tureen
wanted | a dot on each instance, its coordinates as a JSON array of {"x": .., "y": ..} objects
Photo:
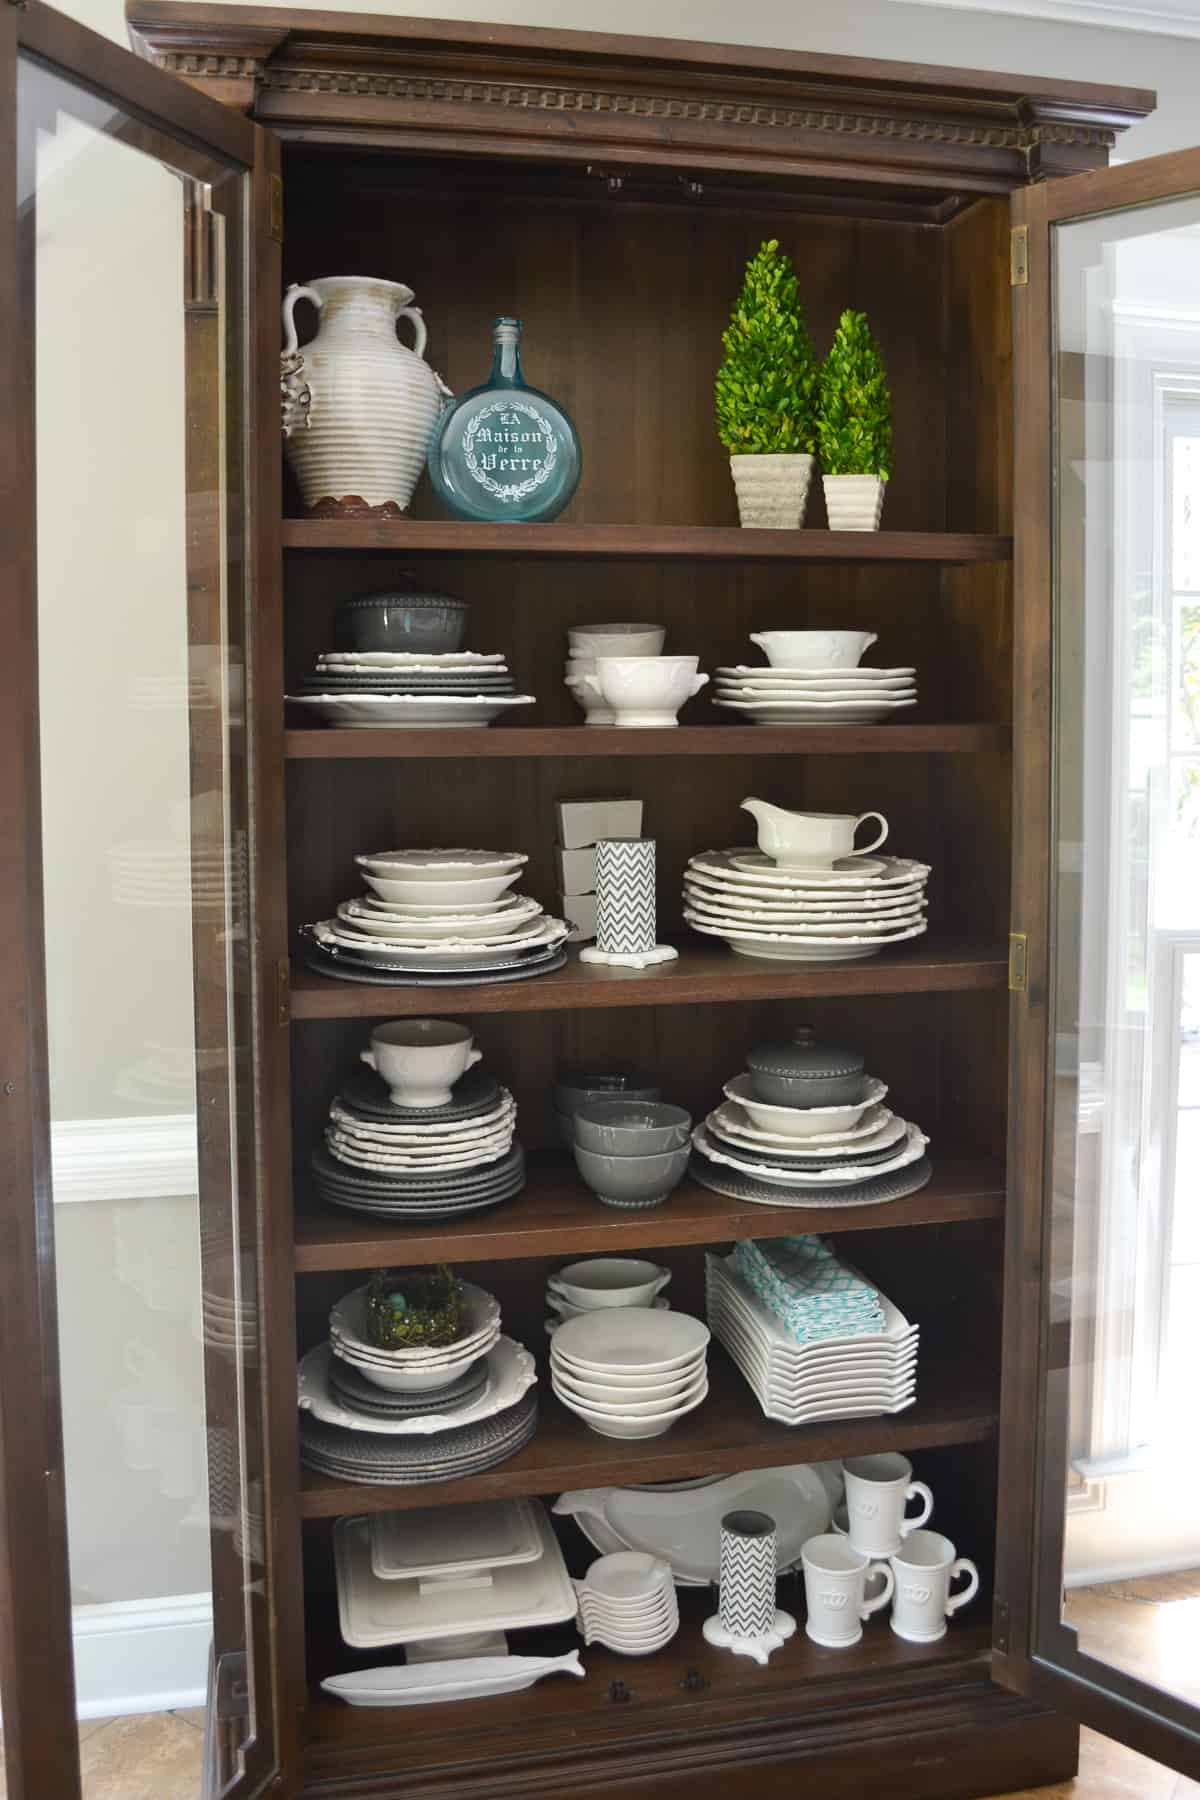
[{"x": 805, "y": 1073}]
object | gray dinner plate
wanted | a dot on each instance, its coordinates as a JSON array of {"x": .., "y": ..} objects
[
  {"x": 442, "y": 1455},
  {"x": 873, "y": 1192},
  {"x": 344, "y": 967},
  {"x": 360, "y": 1394},
  {"x": 417, "y": 1181},
  {"x": 366, "y": 1096}
]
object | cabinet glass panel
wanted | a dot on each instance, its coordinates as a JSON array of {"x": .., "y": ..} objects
[
  {"x": 136, "y": 247},
  {"x": 1124, "y": 1332}
]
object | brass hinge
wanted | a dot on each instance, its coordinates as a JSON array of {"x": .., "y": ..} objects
[
  {"x": 276, "y": 209},
  {"x": 283, "y": 992},
  {"x": 1018, "y": 256},
  {"x": 1018, "y": 961}
]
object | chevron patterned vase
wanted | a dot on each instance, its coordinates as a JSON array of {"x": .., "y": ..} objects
[
  {"x": 748, "y": 1621},
  {"x": 625, "y": 905}
]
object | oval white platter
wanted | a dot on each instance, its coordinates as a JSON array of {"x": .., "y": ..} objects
[
  {"x": 511, "y": 1373},
  {"x": 461, "y": 1678},
  {"x": 914, "y": 1146}
]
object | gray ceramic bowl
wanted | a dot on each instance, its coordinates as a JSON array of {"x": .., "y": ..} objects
[
  {"x": 579, "y": 1087},
  {"x": 632, "y": 1180},
  {"x": 407, "y": 620},
  {"x": 807, "y": 1090},
  {"x": 632, "y": 1127}
]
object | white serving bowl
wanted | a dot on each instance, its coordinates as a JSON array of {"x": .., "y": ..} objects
[
  {"x": 649, "y": 1408},
  {"x": 646, "y": 691},
  {"x": 813, "y": 649},
  {"x": 630, "y": 1426},
  {"x": 631, "y": 1341},
  {"x": 598, "y": 713},
  {"x": 441, "y": 893},
  {"x": 441, "y": 865},
  {"x": 609, "y": 1281},
  {"x": 417, "y": 1378},
  {"x": 803, "y": 1121},
  {"x": 616, "y": 640}
]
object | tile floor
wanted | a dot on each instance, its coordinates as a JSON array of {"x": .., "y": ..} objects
[{"x": 156, "y": 1756}]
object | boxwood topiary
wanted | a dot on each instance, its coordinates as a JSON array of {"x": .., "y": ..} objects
[
  {"x": 854, "y": 410},
  {"x": 766, "y": 386}
]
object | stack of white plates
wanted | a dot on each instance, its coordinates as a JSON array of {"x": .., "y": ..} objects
[
  {"x": 815, "y": 696},
  {"x": 441, "y": 916},
  {"x": 630, "y": 1372},
  {"x": 627, "y": 1602},
  {"x": 202, "y": 878},
  {"x": 335, "y": 1398},
  {"x": 229, "y": 1303},
  {"x": 839, "y": 1378},
  {"x": 860, "y": 906},
  {"x": 441, "y": 1604},
  {"x": 358, "y": 689}
]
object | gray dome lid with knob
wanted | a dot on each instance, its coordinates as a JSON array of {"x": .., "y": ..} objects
[{"x": 804, "y": 1056}]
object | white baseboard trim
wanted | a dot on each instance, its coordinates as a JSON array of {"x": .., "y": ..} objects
[
  {"x": 1133, "y": 1569},
  {"x": 138, "y": 1656},
  {"x": 141, "y": 1158}
]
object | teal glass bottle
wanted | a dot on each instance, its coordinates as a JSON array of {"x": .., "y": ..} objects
[{"x": 505, "y": 450}]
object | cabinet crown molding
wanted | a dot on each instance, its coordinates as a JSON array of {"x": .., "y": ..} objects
[{"x": 574, "y": 96}]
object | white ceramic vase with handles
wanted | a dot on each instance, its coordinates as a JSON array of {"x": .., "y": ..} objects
[
  {"x": 878, "y": 1489},
  {"x": 421, "y": 1059},
  {"x": 836, "y": 1578},
  {"x": 924, "y": 1568},
  {"x": 370, "y": 403},
  {"x": 810, "y": 840}
]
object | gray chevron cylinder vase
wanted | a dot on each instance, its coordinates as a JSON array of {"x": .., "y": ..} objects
[
  {"x": 625, "y": 896},
  {"x": 746, "y": 1602}
]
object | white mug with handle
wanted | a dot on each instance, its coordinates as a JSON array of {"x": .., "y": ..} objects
[
  {"x": 878, "y": 1490},
  {"x": 924, "y": 1569},
  {"x": 836, "y": 1577}
]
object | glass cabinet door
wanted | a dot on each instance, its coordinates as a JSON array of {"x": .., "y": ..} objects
[
  {"x": 1108, "y": 333},
  {"x": 128, "y": 233}
]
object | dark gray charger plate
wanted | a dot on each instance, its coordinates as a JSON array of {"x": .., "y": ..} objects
[
  {"x": 344, "y": 968},
  {"x": 860, "y": 1193},
  {"x": 443, "y": 1455},
  {"x": 366, "y": 1096}
]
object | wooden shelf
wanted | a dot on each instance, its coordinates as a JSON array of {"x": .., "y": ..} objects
[
  {"x": 331, "y": 745},
  {"x": 797, "y": 1678},
  {"x": 648, "y": 543},
  {"x": 557, "y": 1216},
  {"x": 699, "y": 977},
  {"x": 957, "y": 1404}
]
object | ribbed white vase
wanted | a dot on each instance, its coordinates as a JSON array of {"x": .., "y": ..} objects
[
  {"x": 772, "y": 490},
  {"x": 372, "y": 402},
  {"x": 854, "y": 502}
]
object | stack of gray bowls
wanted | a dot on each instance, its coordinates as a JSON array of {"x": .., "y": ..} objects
[{"x": 630, "y": 1148}]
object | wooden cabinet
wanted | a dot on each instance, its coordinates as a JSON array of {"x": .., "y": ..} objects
[{"x": 609, "y": 190}]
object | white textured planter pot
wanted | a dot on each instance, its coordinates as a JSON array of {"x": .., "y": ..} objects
[
  {"x": 772, "y": 491},
  {"x": 854, "y": 502}
]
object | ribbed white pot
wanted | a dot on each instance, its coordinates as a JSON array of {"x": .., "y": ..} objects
[
  {"x": 854, "y": 502},
  {"x": 772, "y": 491},
  {"x": 373, "y": 402}
]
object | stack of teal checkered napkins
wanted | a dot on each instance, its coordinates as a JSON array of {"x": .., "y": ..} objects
[{"x": 812, "y": 1294}]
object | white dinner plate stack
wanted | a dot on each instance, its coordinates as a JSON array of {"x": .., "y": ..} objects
[
  {"x": 769, "y": 696},
  {"x": 630, "y": 1371},
  {"x": 847, "y": 1377},
  {"x": 440, "y": 917},
  {"x": 627, "y": 1603},
  {"x": 860, "y": 906},
  {"x": 205, "y": 879},
  {"x": 359, "y": 689}
]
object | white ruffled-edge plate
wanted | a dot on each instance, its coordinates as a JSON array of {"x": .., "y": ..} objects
[
  {"x": 424, "y": 932},
  {"x": 430, "y": 703},
  {"x": 449, "y": 951},
  {"x": 779, "y": 940},
  {"x": 448, "y": 1162},
  {"x": 462, "y": 1678},
  {"x": 915, "y": 1143},
  {"x": 511, "y": 1373},
  {"x": 420, "y": 909},
  {"x": 767, "y": 672},
  {"x": 888, "y": 1129},
  {"x": 765, "y": 689},
  {"x": 735, "y": 1090},
  {"x": 801, "y": 707},
  {"x": 705, "y": 901},
  {"x": 836, "y": 926},
  {"x": 440, "y": 864},
  {"x": 898, "y": 871},
  {"x": 446, "y": 1135}
]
